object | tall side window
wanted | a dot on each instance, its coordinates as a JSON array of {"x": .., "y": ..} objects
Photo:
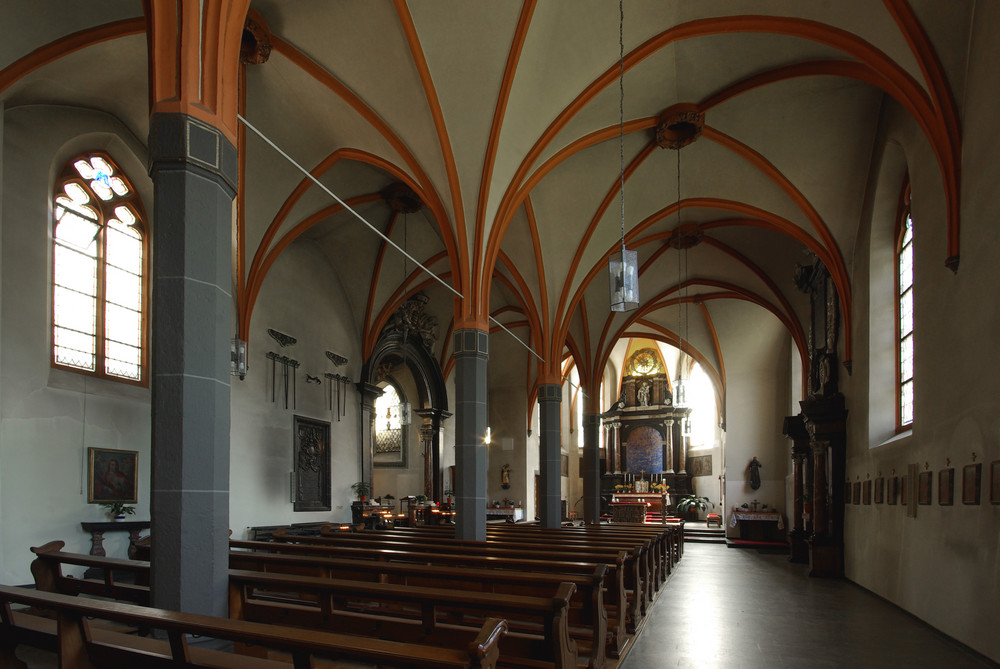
[
  {"x": 904, "y": 315},
  {"x": 99, "y": 269}
]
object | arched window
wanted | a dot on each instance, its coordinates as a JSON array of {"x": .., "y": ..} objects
[
  {"x": 99, "y": 269},
  {"x": 389, "y": 431},
  {"x": 904, "y": 316}
]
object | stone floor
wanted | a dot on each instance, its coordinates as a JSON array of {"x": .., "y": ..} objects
[{"x": 746, "y": 609}]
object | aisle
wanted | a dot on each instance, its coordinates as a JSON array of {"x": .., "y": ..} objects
[{"x": 741, "y": 609}]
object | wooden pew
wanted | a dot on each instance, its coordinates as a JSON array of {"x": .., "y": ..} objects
[
  {"x": 588, "y": 616},
  {"x": 632, "y": 562},
  {"x": 83, "y": 645},
  {"x": 410, "y": 613},
  {"x": 46, "y": 569},
  {"x": 621, "y": 615}
]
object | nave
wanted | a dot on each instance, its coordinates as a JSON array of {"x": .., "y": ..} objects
[{"x": 746, "y": 609}]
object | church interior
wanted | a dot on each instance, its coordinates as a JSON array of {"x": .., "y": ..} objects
[{"x": 474, "y": 266}]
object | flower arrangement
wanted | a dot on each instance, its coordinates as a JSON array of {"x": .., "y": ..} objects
[{"x": 659, "y": 487}]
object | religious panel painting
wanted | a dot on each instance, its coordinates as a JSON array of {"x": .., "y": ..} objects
[
  {"x": 924, "y": 483},
  {"x": 311, "y": 458},
  {"x": 644, "y": 450},
  {"x": 879, "y": 490},
  {"x": 971, "y": 477},
  {"x": 856, "y": 492},
  {"x": 699, "y": 465},
  {"x": 112, "y": 476},
  {"x": 866, "y": 492},
  {"x": 946, "y": 487}
]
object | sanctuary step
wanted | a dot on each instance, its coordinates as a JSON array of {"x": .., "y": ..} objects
[{"x": 698, "y": 532}]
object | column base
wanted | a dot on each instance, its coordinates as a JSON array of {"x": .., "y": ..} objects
[
  {"x": 798, "y": 540},
  {"x": 826, "y": 559}
]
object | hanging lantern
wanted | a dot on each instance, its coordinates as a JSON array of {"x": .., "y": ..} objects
[
  {"x": 680, "y": 393},
  {"x": 623, "y": 270},
  {"x": 686, "y": 429},
  {"x": 404, "y": 413}
]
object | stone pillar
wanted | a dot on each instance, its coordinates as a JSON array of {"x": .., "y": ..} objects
[
  {"x": 668, "y": 446},
  {"x": 193, "y": 168},
  {"x": 471, "y": 456},
  {"x": 367, "y": 394},
  {"x": 591, "y": 466},
  {"x": 550, "y": 454}
]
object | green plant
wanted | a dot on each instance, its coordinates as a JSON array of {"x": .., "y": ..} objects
[
  {"x": 116, "y": 509},
  {"x": 361, "y": 488},
  {"x": 689, "y": 503},
  {"x": 421, "y": 498}
]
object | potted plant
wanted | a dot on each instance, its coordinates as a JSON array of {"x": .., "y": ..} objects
[
  {"x": 118, "y": 510},
  {"x": 692, "y": 504},
  {"x": 361, "y": 489},
  {"x": 421, "y": 499}
]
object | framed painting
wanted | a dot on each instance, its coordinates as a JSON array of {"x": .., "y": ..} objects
[
  {"x": 866, "y": 492},
  {"x": 995, "y": 482},
  {"x": 856, "y": 493},
  {"x": 879, "y": 490},
  {"x": 892, "y": 494},
  {"x": 924, "y": 483},
  {"x": 112, "y": 476},
  {"x": 903, "y": 497},
  {"x": 699, "y": 465},
  {"x": 971, "y": 476},
  {"x": 946, "y": 487}
]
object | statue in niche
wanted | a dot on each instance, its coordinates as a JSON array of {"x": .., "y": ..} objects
[
  {"x": 505, "y": 477},
  {"x": 643, "y": 394}
]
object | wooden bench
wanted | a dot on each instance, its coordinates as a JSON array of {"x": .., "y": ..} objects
[
  {"x": 631, "y": 563},
  {"x": 435, "y": 616},
  {"x": 620, "y": 621},
  {"x": 588, "y": 616},
  {"x": 47, "y": 571},
  {"x": 81, "y": 644}
]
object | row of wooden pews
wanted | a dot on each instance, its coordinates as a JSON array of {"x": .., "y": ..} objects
[{"x": 558, "y": 598}]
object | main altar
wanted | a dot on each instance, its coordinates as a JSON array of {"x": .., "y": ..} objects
[{"x": 645, "y": 446}]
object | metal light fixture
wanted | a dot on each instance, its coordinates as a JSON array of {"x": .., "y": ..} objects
[
  {"x": 623, "y": 266},
  {"x": 238, "y": 358},
  {"x": 680, "y": 389},
  {"x": 405, "y": 409}
]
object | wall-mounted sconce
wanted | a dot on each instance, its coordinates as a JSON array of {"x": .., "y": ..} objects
[{"x": 238, "y": 358}]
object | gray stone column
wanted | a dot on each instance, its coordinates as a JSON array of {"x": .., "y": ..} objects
[
  {"x": 193, "y": 168},
  {"x": 550, "y": 454},
  {"x": 591, "y": 466},
  {"x": 472, "y": 349}
]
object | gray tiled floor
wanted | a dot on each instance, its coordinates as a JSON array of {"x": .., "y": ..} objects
[{"x": 749, "y": 610}]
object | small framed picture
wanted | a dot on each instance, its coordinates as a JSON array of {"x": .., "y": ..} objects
[
  {"x": 879, "y": 490},
  {"x": 995, "y": 482},
  {"x": 856, "y": 493},
  {"x": 924, "y": 483},
  {"x": 892, "y": 494},
  {"x": 971, "y": 476},
  {"x": 946, "y": 487},
  {"x": 866, "y": 492},
  {"x": 112, "y": 476}
]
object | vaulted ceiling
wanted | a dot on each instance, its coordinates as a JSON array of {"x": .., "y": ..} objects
[{"x": 504, "y": 119}]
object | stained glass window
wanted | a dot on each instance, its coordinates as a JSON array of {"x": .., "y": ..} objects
[
  {"x": 388, "y": 429},
  {"x": 904, "y": 283},
  {"x": 99, "y": 259}
]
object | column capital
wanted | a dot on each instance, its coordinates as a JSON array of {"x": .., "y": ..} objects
[
  {"x": 180, "y": 141},
  {"x": 550, "y": 392},
  {"x": 469, "y": 341}
]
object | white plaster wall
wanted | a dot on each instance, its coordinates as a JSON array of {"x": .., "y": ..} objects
[
  {"x": 757, "y": 364},
  {"x": 300, "y": 297},
  {"x": 48, "y": 417},
  {"x": 943, "y": 565}
]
